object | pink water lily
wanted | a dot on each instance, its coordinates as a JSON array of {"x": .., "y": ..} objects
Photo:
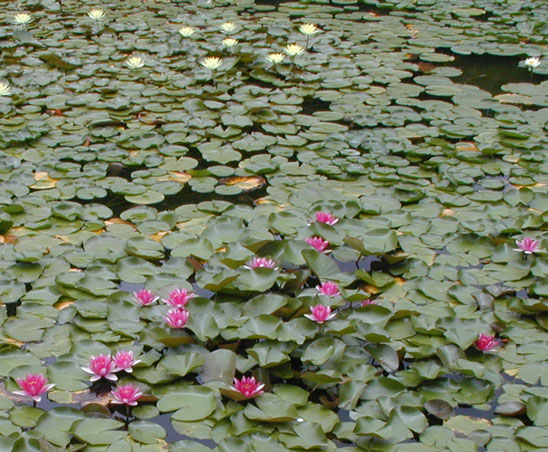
[
  {"x": 368, "y": 302},
  {"x": 101, "y": 366},
  {"x": 328, "y": 288},
  {"x": 126, "y": 394},
  {"x": 528, "y": 245},
  {"x": 248, "y": 386},
  {"x": 264, "y": 262},
  {"x": 325, "y": 217},
  {"x": 123, "y": 360},
  {"x": 144, "y": 297},
  {"x": 318, "y": 243},
  {"x": 487, "y": 342},
  {"x": 176, "y": 318},
  {"x": 34, "y": 386},
  {"x": 178, "y": 298},
  {"x": 320, "y": 314}
]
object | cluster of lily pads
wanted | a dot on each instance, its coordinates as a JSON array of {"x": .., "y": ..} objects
[{"x": 349, "y": 248}]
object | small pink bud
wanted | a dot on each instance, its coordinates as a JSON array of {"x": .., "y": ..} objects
[
  {"x": 176, "y": 318},
  {"x": 123, "y": 360},
  {"x": 320, "y": 313},
  {"x": 329, "y": 288},
  {"x": 178, "y": 298},
  {"x": 318, "y": 243},
  {"x": 34, "y": 386},
  {"x": 144, "y": 297},
  {"x": 527, "y": 245},
  {"x": 126, "y": 394},
  {"x": 101, "y": 366},
  {"x": 248, "y": 386},
  {"x": 264, "y": 262},
  {"x": 368, "y": 302},
  {"x": 326, "y": 217},
  {"x": 487, "y": 342}
]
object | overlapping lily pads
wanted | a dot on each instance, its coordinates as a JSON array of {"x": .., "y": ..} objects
[{"x": 420, "y": 126}]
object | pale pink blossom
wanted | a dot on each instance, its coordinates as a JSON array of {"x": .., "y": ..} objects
[
  {"x": 34, "y": 386},
  {"x": 527, "y": 245},
  {"x": 368, "y": 302},
  {"x": 248, "y": 386},
  {"x": 123, "y": 360},
  {"x": 264, "y": 262},
  {"x": 101, "y": 366},
  {"x": 178, "y": 298},
  {"x": 318, "y": 243},
  {"x": 487, "y": 342},
  {"x": 176, "y": 318},
  {"x": 126, "y": 394},
  {"x": 144, "y": 297},
  {"x": 320, "y": 313},
  {"x": 328, "y": 288},
  {"x": 325, "y": 217}
]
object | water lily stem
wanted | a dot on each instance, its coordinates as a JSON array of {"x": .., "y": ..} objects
[{"x": 307, "y": 39}]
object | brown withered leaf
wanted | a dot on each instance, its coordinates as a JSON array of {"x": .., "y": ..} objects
[
  {"x": 245, "y": 183},
  {"x": 466, "y": 146},
  {"x": 63, "y": 304},
  {"x": 157, "y": 237},
  {"x": 177, "y": 176},
  {"x": 117, "y": 221},
  {"x": 43, "y": 181}
]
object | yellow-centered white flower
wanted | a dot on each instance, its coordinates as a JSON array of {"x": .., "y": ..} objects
[
  {"x": 22, "y": 18},
  {"x": 293, "y": 49},
  {"x": 227, "y": 27},
  {"x": 5, "y": 89},
  {"x": 186, "y": 31},
  {"x": 309, "y": 29},
  {"x": 532, "y": 62},
  {"x": 211, "y": 63},
  {"x": 229, "y": 42},
  {"x": 275, "y": 58},
  {"x": 135, "y": 62},
  {"x": 96, "y": 14}
]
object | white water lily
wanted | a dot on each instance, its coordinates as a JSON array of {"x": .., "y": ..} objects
[
  {"x": 135, "y": 62},
  {"x": 96, "y": 14},
  {"x": 230, "y": 42},
  {"x": 227, "y": 27},
  {"x": 275, "y": 58},
  {"x": 309, "y": 29},
  {"x": 22, "y": 18},
  {"x": 211, "y": 63},
  {"x": 532, "y": 62},
  {"x": 293, "y": 49},
  {"x": 186, "y": 31},
  {"x": 5, "y": 89}
]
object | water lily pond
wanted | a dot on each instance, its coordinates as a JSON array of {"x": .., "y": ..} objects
[{"x": 266, "y": 226}]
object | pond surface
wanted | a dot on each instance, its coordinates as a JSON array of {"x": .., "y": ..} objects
[{"x": 342, "y": 201}]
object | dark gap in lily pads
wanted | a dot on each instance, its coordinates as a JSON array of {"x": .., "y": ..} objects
[
  {"x": 11, "y": 308},
  {"x": 491, "y": 72},
  {"x": 130, "y": 287},
  {"x": 262, "y": 83},
  {"x": 116, "y": 169},
  {"x": 311, "y": 105},
  {"x": 367, "y": 263},
  {"x": 373, "y": 9}
]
